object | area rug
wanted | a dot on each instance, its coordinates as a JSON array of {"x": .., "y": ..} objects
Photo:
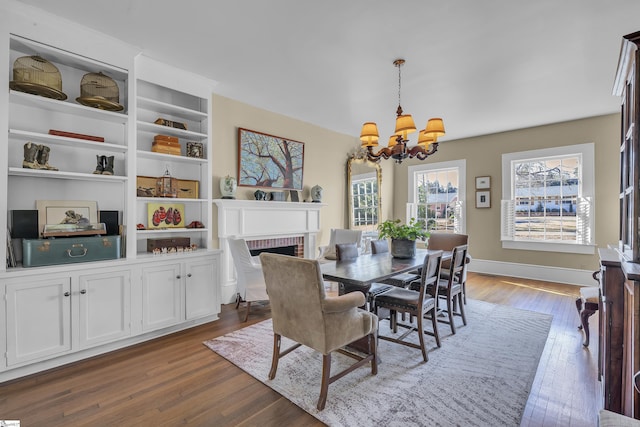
[{"x": 481, "y": 376}]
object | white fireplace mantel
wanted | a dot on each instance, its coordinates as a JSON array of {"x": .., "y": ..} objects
[{"x": 256, "y": 219}]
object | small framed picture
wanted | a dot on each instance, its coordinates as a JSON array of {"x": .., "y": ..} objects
[
  {"x": 294, "y": 196},
  {"x": 195, "y": 149},
  {"x": 483, "y": 199},
  {"x": 483, "y": 182}
]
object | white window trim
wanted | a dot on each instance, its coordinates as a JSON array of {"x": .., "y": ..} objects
[
  {"x": 461, "y": 165},
  {"x": 587, "y": 151}
]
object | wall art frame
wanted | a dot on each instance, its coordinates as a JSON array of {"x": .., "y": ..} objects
[
  {"x": 483, "y": 182},
  {"x": 483, "y": 199},
  {"x": 269, "y": 161},
  {"x": 57, "y": 211}
]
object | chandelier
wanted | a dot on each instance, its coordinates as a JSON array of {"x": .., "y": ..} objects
[{"x": 397, "y": 148}]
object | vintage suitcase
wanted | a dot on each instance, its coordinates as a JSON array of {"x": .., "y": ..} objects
[
  {"x": 39, "y": 252},
  {"x": 175, "y": 242},
  {"x": 166, "y": 145}
]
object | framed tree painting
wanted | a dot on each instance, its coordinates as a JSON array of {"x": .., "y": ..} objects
[{"x": 269, "y": 161}]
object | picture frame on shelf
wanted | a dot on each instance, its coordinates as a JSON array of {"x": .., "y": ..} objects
[
  {"x": 294, "y": 196},
  {"x": 165, "y": 215},
  {"x": 483, "y": 182},
  {"x": 66, "y": 212},
  {"x": 483, "y": 199},
  {"x": 263, "y": 157},
  {"x": 195, "y": 150}
]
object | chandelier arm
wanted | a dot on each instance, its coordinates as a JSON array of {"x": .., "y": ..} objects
[{"x": 384, "y": 153}]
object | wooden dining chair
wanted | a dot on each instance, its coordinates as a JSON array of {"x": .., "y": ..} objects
[
  {"x": 401, "y": 280},
  {"x": 417, "y": 303}
]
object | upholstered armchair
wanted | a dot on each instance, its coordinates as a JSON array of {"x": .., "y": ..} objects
[
  {"x": 339, "y": 235},
  {"x": 302, "y": 312},
  {"x": 250, "y": 280}
]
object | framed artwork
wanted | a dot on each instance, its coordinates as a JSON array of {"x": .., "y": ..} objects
[
  {"x": 269, "y": 161},
  {"x": 294, "y": 196},
  {"x": 66, "y": 212},
  {"x": 195, "y": 149},
  {"x": 483, "y": 199},
  {"x": 165, "y": 215},
  {"x": 483, "y": 182}
]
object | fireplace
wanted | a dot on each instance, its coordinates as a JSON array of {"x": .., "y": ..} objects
[
  {"x": 293, "y": 246},
  {"x": 265, "y": 225}
]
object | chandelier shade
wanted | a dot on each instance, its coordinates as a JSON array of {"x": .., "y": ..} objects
[{"x": 397, "y": 147}]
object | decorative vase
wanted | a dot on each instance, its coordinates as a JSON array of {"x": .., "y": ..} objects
[
  {"x": 228, "y": 186},
  {"x": 316, "y": 194},
  {"x": 403, "y": 248}
]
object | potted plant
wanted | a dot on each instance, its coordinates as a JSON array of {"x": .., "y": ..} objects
[{"x": 403, "y": 236}]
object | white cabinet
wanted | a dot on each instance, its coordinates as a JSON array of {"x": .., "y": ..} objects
[
  {"x": 200, "y": 289},
  {"x": 104, "y": 304},
  {"x": 38, "y": 319},
  {"x": 162, "y": 295}
]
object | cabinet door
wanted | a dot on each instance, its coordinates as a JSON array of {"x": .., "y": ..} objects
[
  {"x": 38, "y": 319},
  {"x": 162, "y": 290},
  {"x": 104, "y": 307},
  {"x": 201, "y": 287}
]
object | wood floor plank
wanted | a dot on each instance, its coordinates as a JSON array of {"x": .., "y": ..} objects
[{"x": 175, "y": 380}]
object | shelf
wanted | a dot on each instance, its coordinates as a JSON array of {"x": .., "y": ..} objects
[
  {"x": 166, "y": 130},
  {"x": 65, "y": 107},
  {"x": 172, "y": 231},
  {"x": 54, "y": 55},
  {"x": 168, "y": 157},
  {"x": 174, "y": 110},
  {"x": 61, "y": 140},
  {"x": 37, "y": 173},
  {"x": 169, "y": 199}
]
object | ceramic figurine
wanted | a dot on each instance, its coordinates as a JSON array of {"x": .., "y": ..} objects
[
  {"x": 228, "y": 186},
  {"x": 260, "y": 195},
  {"x": 316, "y": 194}
]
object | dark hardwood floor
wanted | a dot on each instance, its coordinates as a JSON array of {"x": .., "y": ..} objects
[{"x": 176, "y": 380}]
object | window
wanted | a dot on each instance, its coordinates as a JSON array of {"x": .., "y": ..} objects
[
  {"x": 547, "y": 199},
  {"x": 437, "y": 194},
  {"x": 364, "y": 188}
]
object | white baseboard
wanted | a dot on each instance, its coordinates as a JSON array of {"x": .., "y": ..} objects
[{"x": 569, "y": 276}]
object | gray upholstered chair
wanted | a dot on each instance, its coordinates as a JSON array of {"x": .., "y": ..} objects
[
  {"x": 302, "y": 312},
  {"x": 418, "y": 304},
  {"x": 250, "y": 280},
  {"x": 339, "y": 235},
  {"x": 446, "y": 242}
]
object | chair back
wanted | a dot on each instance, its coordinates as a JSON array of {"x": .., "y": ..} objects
[
  {"x": 379, "y": 246},
  {"x": 346, "y": 251},
  {"x": 430, "y": 274},
  {"x": 341, "y": 235},
  {"x": 458, "y": 264},
  {"x": 250, "y": 281},
  {"x": 446, "y": 241},
  {"x": 296, "y": 293}
]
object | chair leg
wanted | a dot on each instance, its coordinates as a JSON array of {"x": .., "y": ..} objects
[
  {"x": 420, "y": 331},
  {"x": 434, "y": 322},
  {"x": 275, "y": 357},
  {"x": 464, "y": 318},
  {"x": 450, "y": 313},
  {"x": 464, "y": 292},
  {"x": 238, "y": 299},
  {"x": 373, "y": 349},
  {"x": 326, "y": 375},
  {"x": 246, "y": 316}
]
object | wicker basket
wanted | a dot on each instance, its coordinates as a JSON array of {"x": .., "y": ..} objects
[
  {"x": 99, "y": 91},
  {"x": 34, "y": 74}
]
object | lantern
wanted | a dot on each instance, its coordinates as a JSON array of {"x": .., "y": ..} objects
[{"x": 166, "y": 185}]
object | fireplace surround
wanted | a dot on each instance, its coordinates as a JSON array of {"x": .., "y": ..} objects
[{"x": 265, "y": 224}]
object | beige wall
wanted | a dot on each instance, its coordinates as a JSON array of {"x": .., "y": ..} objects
[
  {"x": 484, "y": 157},
  {"x": 326, "y": 154}
]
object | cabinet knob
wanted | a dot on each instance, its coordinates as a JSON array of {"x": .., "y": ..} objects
[
  {"x": 189, "y": 275},
  {"x": 178, "y": 276},
  {"x": 66, "y": 294},
  {"x": 84, "y": 291}
]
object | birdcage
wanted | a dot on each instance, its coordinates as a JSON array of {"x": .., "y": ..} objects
[
  {"x": 99, "y": 91},
  {"x": 34, "y": 74}
]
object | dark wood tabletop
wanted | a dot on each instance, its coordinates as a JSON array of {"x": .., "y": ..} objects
[{"x": 369, "y": 268}]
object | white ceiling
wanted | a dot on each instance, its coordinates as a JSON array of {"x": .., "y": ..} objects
[{"x": 485, "y": 66}]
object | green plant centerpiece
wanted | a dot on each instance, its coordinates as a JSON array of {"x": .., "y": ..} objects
[{"x": 403, "y": 236}]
